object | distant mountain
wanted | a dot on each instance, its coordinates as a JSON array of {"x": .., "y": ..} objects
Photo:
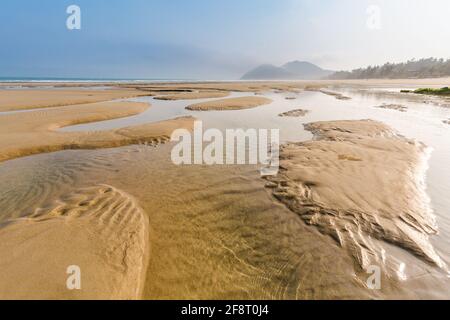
[
  {"x": 306, "y": 70},
  {"x": 267, "y": 72},
  {"x": 295, "y": 70}
]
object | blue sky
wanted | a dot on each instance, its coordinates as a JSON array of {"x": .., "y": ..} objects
[{"x": 212, "y": 39}]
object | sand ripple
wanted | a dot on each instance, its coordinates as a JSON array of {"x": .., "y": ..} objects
[
  {"x": 100, "y": 229},
  {"x": 360, "y": 182}
]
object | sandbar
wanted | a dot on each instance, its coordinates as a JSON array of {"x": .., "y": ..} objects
[
  {"x": 193, "y": 95},
  {"x": 360, "y": 182},
  {"x": 397, "y": 107},
  {"x": 294, "y": 113},
  {"x": 33, "y": 132},
  {"x": 230, "y": 104},
  {"x": 23, "y": 99}
]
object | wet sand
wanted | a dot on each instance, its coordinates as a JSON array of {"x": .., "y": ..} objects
[
  {"x": 160, "y": 231},
  {"x": 358, "y": 181},
  {"x": 242, "y": 86},
  {"x": 208, "y": 231},
  {"x": 35, "y": 131},
  {"x": 193, "y": 95},
  {"x": 230, "y": 104},
  {"x": 294, "y": 113},
  {"x": 11, "y": 100},
  {"x": 208, "y": 235},
  {"x": 397, "y": 107},
  {"x": 100, "y": 229},
  {"x": 337, "y": 95}
]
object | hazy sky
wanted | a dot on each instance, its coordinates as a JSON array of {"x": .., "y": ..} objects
[{"x": 212, "y": 39}]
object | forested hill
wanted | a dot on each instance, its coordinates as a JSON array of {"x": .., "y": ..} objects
[{"x": 424, "y": 68}]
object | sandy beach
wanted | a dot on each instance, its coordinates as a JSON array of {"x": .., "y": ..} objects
[
  {"x": 12, "y": 100},
  {"x": 349, "y": 194},
  {"x": 225, "y": 159}
]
